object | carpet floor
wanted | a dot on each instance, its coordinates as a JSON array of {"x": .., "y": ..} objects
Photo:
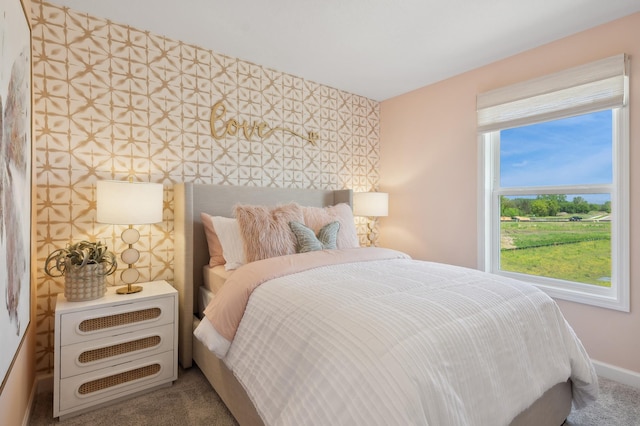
[{"x": 192, "y": 401}]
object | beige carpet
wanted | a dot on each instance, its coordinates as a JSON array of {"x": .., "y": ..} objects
[
  {"x": 617, "y": 405},
  {"x": 192, "y": 401}
]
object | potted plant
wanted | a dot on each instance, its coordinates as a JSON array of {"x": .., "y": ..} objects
[{"x": 85, "y": 266}]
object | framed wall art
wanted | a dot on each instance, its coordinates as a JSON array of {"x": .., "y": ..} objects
[{"x": 15, "y": 180}]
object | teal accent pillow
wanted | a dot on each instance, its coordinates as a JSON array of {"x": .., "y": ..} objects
[{"x": 307, "y": 240}]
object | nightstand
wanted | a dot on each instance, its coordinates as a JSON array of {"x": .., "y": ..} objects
[{"x": 113, "y": 347}]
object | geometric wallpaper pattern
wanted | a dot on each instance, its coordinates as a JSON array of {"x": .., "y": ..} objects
[{"x": 115, "y": 102}]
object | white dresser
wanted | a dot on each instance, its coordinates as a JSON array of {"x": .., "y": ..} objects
[{"x": 110, "y": 348}]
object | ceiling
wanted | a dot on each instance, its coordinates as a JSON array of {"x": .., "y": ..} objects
[{"x": 373, "y": 48}]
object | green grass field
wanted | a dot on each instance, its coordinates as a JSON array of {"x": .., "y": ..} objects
[{"x": 574, "y": 251}]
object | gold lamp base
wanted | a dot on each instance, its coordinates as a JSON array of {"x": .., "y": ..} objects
[
  {"x": 129, "y": 289},
  {"x": 130, "y": 256},
  {"x": 372, "y": 235}
]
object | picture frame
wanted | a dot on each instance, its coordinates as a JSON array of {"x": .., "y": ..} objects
[{"x": 15, "y": 181}]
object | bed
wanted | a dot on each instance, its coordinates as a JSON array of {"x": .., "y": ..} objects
[{"x": 191, "y": 254}]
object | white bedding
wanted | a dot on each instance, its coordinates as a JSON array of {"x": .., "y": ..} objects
[
  {"x": 214, "y": 278},
  {"x": 204, "y": 298},
  {"x": 400, "y": 342}
]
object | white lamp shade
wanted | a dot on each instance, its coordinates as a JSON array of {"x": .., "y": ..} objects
[
  {"x": 370, "y": 204},
  {"x": 129, "y": 203}
]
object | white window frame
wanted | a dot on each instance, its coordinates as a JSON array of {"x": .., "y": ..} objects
[{"x": 614, "y": 297}]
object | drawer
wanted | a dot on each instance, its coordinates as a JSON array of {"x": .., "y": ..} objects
[
  {"x": 109, "y": 383},
  {"x": 96, "y": 354},
  {"x": 116, "y": 319}
]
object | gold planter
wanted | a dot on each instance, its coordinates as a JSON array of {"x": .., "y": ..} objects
[{"x": 86, "y": 283}]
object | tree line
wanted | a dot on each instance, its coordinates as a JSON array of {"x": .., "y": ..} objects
[{"x": 548, "y": 205}]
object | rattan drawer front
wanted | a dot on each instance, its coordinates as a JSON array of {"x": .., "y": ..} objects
[
  {"x": 93, "y": 325},
  {"x": 95, "y": 354},
  {"x": 104, "y": 322},
  {"x": 112, "y": 382}
]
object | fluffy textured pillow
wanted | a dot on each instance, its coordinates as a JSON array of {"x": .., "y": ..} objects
[
  {"x": 265, "y": 231},
  {"x": 228, "y": 231},
  {"x": 316, "y": 217},
  {"x": 307, "y": 240},
  {"x": 215, "y": 248}
]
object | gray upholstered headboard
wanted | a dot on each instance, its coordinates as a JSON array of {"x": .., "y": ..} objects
[{"x": 190, "y": 244}]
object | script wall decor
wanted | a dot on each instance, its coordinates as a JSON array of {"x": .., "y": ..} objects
[
  {"x": 112, "y": 101},
  {"x": 15, "y": 180},
  {"x": 221, "y": 127}
]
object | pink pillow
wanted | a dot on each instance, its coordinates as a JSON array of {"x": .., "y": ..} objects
[
  {"x": 215, "y": 248},
  {"x": 265, "y": 230},
  {"x": 317, "y": 217}
]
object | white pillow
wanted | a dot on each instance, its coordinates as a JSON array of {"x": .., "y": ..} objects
[{"x": 228, "y": 232}]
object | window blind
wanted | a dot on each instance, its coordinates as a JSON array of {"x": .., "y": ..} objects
[{"x": 591, "y": 87}]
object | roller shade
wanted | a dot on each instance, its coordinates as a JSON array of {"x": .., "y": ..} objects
[{"x": 591, "y": 87}]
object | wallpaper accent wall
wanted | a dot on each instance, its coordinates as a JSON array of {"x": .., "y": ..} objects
[{"x": 113, "y": 102}]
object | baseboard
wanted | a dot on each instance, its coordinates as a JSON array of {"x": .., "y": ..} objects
[
  {"x": 41, "y": 384},
  {"x": 45, "y": 383},
  {"x": 620, "y": 375},
  {"x": 32, "y": 398}
]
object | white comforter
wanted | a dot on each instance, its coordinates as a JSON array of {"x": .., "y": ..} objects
[{"x": 401, "y": 342}]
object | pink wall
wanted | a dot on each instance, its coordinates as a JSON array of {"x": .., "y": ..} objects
[
  {"x": 429, "y": 165},
  {"x": 15, "y": 397}
]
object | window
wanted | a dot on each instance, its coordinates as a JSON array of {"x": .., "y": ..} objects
[{"x": 554, "y": 173}]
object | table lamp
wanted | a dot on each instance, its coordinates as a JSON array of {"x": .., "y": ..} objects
[
  {"x": 129, "y": 203},
  {"x": 371, "y": 205}
]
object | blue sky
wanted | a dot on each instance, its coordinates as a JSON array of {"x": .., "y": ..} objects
[{"x": 575, "y": 150}]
